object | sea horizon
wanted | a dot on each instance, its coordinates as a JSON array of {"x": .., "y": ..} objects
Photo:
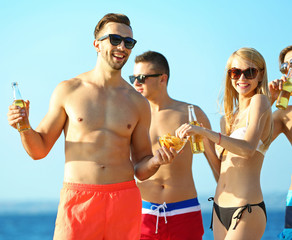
[
  {"x": 35, "y": 219},
  {"x": 273, "y": 201}
]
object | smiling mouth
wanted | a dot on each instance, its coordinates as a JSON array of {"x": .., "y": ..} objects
[
  {"x": 119, "y": 56},
  {"x": 242, "y": 85},
  {"x": 140, "y": 90}
]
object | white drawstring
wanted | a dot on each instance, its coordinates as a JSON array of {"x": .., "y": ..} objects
[{"x": 157, "y": 212}]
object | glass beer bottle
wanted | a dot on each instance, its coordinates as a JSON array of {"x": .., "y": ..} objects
[
  {"x": 18, "y": 101},
  {"x": 196, "y": 141},
  {"x": 283, "y": 98}
]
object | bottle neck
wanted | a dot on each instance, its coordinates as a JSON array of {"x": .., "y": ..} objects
[
  {"x": 16, "y": 92},
  {"x": 192, "y": 116},
  {"x": 289, "y": 74}
]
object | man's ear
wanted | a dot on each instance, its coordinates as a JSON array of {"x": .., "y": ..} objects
[
  {"x": 164, "y": 78},
  {"x": 96, "y": 45}
]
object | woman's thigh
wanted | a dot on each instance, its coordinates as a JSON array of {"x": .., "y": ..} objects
[{"x": 219, "y": 231}]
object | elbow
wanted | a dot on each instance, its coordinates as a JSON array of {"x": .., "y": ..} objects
[
  {"x": 142, "y": 174},
  {"x": 36, "y": 156},
  {"x": 142, "y": 178},
  {"x": 139, "y": 176}
]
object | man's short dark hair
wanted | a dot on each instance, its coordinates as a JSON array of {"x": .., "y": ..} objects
[
  {"x": 111, "y": 17},
  {"x": 159, "y": 62},
  {"x": 283, "y": 53}
]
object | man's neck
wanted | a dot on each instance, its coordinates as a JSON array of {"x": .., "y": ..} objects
[
  {"x": 105, "y": 75},
  {"x": 162, "y": 101}
]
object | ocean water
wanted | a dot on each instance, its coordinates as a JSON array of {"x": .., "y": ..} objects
[{"x": 36, "y": 222}]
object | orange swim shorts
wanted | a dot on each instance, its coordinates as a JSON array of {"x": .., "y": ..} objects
[{"x": 88, "y": 211}]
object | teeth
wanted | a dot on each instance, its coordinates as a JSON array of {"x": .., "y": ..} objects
[
  {"x": 242, "y": 84},
  {"x": 117, "y": 55}
]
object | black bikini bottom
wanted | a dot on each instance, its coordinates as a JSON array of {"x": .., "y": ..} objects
[{"x": 225, "y": 214}]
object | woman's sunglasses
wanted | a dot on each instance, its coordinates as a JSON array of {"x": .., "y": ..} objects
[
  {"x": 141, "y": 78},
  {"x": 116, "y": 39},
  {"x": 249, "y": 73}
]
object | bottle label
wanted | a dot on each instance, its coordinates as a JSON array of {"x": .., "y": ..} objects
[
  {"x": 24, "y": 123},
  {"x": 196, "y": 141},
  {"x": 288, "y": 85}
]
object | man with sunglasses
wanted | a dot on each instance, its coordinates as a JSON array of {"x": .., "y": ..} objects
[
  {"x": 106, "y": 127},
  {"x": 283, "y": 124},
  {"x": 170, "y": 206}
]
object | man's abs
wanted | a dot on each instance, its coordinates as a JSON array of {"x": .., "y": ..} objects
[
  {"x": 158, "y": 190},
  {"x": 98, "y": 162}
]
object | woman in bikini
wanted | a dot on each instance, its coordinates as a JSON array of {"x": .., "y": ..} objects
[{"x": 239, "y": 210}]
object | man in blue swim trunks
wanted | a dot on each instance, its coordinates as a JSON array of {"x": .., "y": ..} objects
[
  {"x": 170, "y": 208},
  {"x": 283, "y": 124}
]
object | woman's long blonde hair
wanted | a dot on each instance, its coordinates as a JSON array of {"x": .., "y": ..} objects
[{"x": 230, "y": 99}]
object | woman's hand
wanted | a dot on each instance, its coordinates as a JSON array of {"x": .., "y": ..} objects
[{"x": 187, "y": 130}]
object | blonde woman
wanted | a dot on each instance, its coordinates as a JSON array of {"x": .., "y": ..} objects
[{"x": 239, "y": 210}]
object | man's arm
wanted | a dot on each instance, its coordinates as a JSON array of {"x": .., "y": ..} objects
[
  {"x": 145, "y": 163},
  {"x": 39, "y": 142},
  {"x": 283, "y": 123}
]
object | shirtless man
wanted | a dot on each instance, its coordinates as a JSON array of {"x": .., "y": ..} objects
[
  {"x": 170, "y": 206},
  {"x": 106, "y": 127},
  {"x": 283, "y": 124}
]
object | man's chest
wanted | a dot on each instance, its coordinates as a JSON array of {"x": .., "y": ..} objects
[{"x": 110, "y": 113}]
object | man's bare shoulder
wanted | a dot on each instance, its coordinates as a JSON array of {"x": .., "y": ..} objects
[
  {"x": 201, "y": 116},
  {"x": 69, "y": 85},
  {"x": 65, "y": 89},
  {"x": 136, "y": 96},
  {"x": 179, "y": 105},
  {"x": 198, "y": 110}
]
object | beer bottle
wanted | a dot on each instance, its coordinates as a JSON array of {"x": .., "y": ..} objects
[
  {"x": 283, "y": 98},
  {"x": 18, "y": 101},
  {"x": 196, "y": 141}
]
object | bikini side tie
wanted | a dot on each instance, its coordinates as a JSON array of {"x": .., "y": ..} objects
[{"x": 239, "y": 215}]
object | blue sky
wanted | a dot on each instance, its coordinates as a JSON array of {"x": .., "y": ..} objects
[{"x": 45, "y": 42}]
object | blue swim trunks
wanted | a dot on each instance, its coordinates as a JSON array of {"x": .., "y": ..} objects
[{"x": 287, "y": 232}]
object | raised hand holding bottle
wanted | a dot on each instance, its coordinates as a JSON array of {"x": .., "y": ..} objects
[
  {"x": 18, "y": 101},
  {"x": 283, "y": 98}
]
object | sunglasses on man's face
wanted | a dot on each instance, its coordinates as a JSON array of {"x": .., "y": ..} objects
[
  {"x": 141, "y": 78},
  {"x": 116, "y": 40},
  {"x": 285, "y": 66},
  {"x": 249, "y": 73}
]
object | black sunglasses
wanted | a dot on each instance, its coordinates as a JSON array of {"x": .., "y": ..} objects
[
  {"x": 284, "y": 67},
  {"x": 116, "y": 39},
  {"x": 249, "y": 73},
  {"x": 141, "y": 78}
]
